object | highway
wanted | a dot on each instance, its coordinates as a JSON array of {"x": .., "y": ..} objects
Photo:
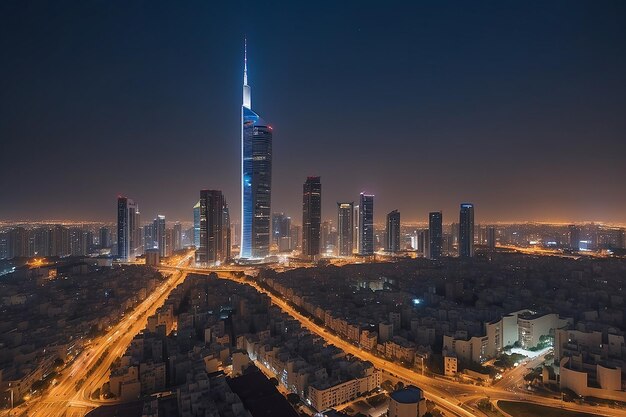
[{"x": 63, "y": 399}]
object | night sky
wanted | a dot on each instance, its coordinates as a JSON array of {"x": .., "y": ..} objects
[{"x": 519, "y": 107}]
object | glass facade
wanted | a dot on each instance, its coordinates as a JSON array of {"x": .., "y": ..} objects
[
  {"x": 435, "y": 234},
  {"x": 345, "y": 228},
  {"x": 256, "y": 185},
  {"x": 126, "y": 225},
  {"x": 393, "y": 232},
  {"x": 466, "y": 231},
  {"x": 196, "y": 225},
  {"x": 311, "y": 216},
  {"x": 366, "y": 225}
]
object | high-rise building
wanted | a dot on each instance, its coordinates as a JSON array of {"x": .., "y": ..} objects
[
  {"x": 366, "y": 224},
  {"x": 169, "y": 241},
  {"x": 256, "y": 177},
  {"x": 226, "y": 236},
  {"x": 328, "y": 237},
  {"x": 424, "y": 242},
  {"x": 491, "y": 237},
  {"x": 61, "y": 241},
  {"x": 435, "y": 234},
  {"x": 311, "y": 216},
  {"x": 574, "y": 237},
  {"x": 149, "y": 241},
  {"x": 161, "y": 237},
  {"x": 345, "y": 228},
  {"x": 281, "y": 231},
  {"x": 196, "y": 225},
  {"x": 126, "y": 228},
  {"x": 393, "y": 232},
  {"x": 296, "y": 235},
  {"x": 105, "y": 237},
  {"x": 17, "y": 242},
  {"x": 4, "y": 245},
  {"x": 356, "y": 234},
  {"x": 214, "y": 245},
  {"x": 136, "y": 240},
  {"x": 78, "y": 243},
  {"x": 466, "y": 231},
  {"x": 178, "y": 237},
  {"x": 280, "y": 227}
]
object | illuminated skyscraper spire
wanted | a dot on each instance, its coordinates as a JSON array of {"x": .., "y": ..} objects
[
  {"x": 246, "y": 87},
  {"x": 256, "y": 177}
]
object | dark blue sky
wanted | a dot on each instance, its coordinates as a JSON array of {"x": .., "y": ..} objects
[{"x": 518, "y": 107}]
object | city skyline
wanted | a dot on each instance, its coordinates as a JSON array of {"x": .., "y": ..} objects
[
  {"x": 549, "y": 170},
  {"x": 420, "y": 214}
]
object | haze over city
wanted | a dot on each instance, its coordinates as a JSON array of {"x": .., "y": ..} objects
[{"x": 517, "y": 108}]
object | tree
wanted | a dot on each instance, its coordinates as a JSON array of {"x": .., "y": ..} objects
[{"x": 293, "y": 398}]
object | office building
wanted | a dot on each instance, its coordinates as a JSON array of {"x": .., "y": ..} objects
[
  {"x": 574, "y": 237},
  {"x": 226, "y": 234},
  {"x": 345, "y": 228},
  {"x": 466, "y": 231},
  {"x": 393, "y": 232},
  {"x": 149, "y": 241},
  {"x": 178, "y": 237},
  {"x": 196, "y": 225},
  {"x": 356, "y": 234},
  {"x": 366, "y": 225},
  {"x": 491, "y": 237},
  {"x": 281, "y": 225},
  {"x": 161, "y": 237},
  {"x": 435, "y": 234},
  {"x": 104, "y": 237},
  {"x": 256, "y": 177},
  {"x": 214, "y": 245},
  {"x": 311, "y": 216},
  {"x": 126, "y": 229},
  {"x": 296, "y": 237}
]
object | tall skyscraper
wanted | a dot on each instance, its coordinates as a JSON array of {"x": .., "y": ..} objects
[
  {"x": 178, "y": 237},
  {"x": 466, "y": 231},
  {"x": 226, "y": 236},
  {"x": 366, "y": 224},
  {"x": 345, "y": 228},
  {"x": 256, "y": 177},
  {"x": 126, "y": 228},
  {"x": 169, "y": 241},
  {"x": 356, "y": 234},
  {"x": 435, "y": 234},
  {"x": 327, "y": 237},
  {"x": 105, "y": 237},
  {"x": 393, "y": 232},
  {"x": 213, "y": 247},
  {"x": 311, "y": 216},
  {"x": 161, "y": 237},
  {"x": 196, "y": 225},
  {"x": 491, "y": 237}
]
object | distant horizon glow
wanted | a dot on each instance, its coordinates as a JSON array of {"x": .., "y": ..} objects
[{"x": 423, "y": 105}]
